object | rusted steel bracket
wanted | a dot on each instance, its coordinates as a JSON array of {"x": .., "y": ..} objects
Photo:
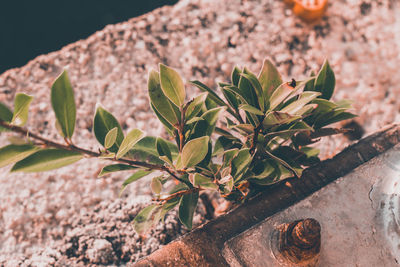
[{"x": 203, "y": 246}]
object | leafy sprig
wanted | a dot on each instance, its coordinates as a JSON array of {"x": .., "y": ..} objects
[{"x": 252, "y": 132}]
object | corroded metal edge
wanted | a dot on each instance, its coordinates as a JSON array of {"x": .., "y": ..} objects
[{"x": 203, "y": 246}]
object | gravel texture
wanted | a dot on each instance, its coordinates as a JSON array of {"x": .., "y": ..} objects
[{"x": 68, "y": 217}]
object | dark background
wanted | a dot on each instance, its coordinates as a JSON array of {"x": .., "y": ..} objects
[{"x": 29, "y": 28}]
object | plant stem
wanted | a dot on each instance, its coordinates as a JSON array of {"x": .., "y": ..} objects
[
  {"x": 255, "y": 137},
  {"x": 89, "y": 153},
  {"x": 181, "y": 131},
  {"x": 179, "y": 194}
]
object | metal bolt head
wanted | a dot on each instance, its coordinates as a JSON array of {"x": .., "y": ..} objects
[{"x": 297, "y": 243}]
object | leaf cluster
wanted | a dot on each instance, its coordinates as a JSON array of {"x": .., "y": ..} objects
[{"x": 252, "y": 132}]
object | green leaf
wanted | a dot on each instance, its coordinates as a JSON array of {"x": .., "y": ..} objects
[
  {"x": 115, "y": 168},
  {"x": 129, "y": 141},
  {"x": 228, "y": 183},
  {"x": 169, "y": 205},
  {"x": 280, "y": 94},
  {"x": 21, "y": 109},
  {"x": 156, "y": 185},
  {"x": 246, "y": 128},
  {"x": 307, "y": 109},
  {"x": 63, "y": 103},
  {"x": 200, "y": 178},
  {"x": 323, "y": 105},
  {"x": 339, "y": 116},
  {"x": 224, "y": 143},
  {"x": 199, "y": 130},
  {"x": 5, "y": 113},
  {"x": 269, "y": 78},
  {"x": 229, "y": 155},
  {"x": 251, "y": 109},
  {"x": 231, "y": 98},
  {"x": 309, "y": 85},
  {"x": 257, "y": 87},
  {"x": 346, "y": 104},
  {"x": 195, "y": 106},
  {"x": 275, "y": 118},
  {"x": 297, "y": 127},
  {"x": 146, "y": 150},
  {"x": 195, "y": 151},
  {"x": 59, "y": 129},
  {"x": 210, "y": 104},
  {"x": 166, "y": 160},
  {"x": 304, "y": 99},
  {"x": 170, "y": 129},
  {"x": 187, "y": 207},
  {"x": 235, "y": 76},
  {"x": 235, "y": 91},
  {"x": 325, "y": 81},
  {"x": 159, "y": 101},
  {"x": 202, "y": 181},
  {"x": 172, "y": 85},
  {"x": 286, "y": 173},
  {"x": 247, "y": 90},
  {"x": 241, "y": 162},
  {"x": 211, "y": 117},
  {"x": 45, "y": 160},
  {"x": 147, "y": 218},
  {"x": 310, "y": 151},
  {"x": 214, "y": 97},
  {"x": 295, "y": 171},
  {"x": 178, "y": 188},
  {"x": 163, "y": 148},
  {"x": 110, "y": 138},
  {"x": 15, "y": 140},
  {"x": 133, "y": 178},
  {"x": 13, "y": 153},
  {"x": 263, "y": 169},
  {"x": 193, "y": 120},
  {"x": 103, "y": 123}
]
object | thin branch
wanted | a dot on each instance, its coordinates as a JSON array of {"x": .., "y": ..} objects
[
  {"x": 257, "y": 130},
  {"x": 89, "y": 153},
  {"x": 179, "y": 194}
]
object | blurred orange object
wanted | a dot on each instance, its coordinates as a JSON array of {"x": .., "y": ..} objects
[{"x": 308, "y": 10}]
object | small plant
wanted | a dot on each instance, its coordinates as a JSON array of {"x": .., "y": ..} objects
[{"x": 256, "y": 135}]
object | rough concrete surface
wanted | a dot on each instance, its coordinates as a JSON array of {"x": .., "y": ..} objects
[
  {"x": 358, "y": 214},
  {"x": 41, "y": 215}
]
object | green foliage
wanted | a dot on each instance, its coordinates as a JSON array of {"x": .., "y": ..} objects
[
  {"x": 172, "y": 85},
  {"x": 160, "y": 103},
  {"x": 194, "y": 151},
  {"x": 254, "y": 131},
  {"x": 14, "y": 153},
  {"x": 103, "y": 123},
  {"x": 134, "y": 177},
  {"x": 111, "y": 137},
  {"x": 325, "y": 81},
  {"x": 129, "y": 141},
  {"x": 5, "y": 115},
  {"x": 46, "y": 160},
  {"x": 269, "y": 78},
  {"x": 63, "y": 102},
  {"x": 115, "y": 168},
  {"x": 21, "y": 108},
  {"x": 187, "y": 207}
]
